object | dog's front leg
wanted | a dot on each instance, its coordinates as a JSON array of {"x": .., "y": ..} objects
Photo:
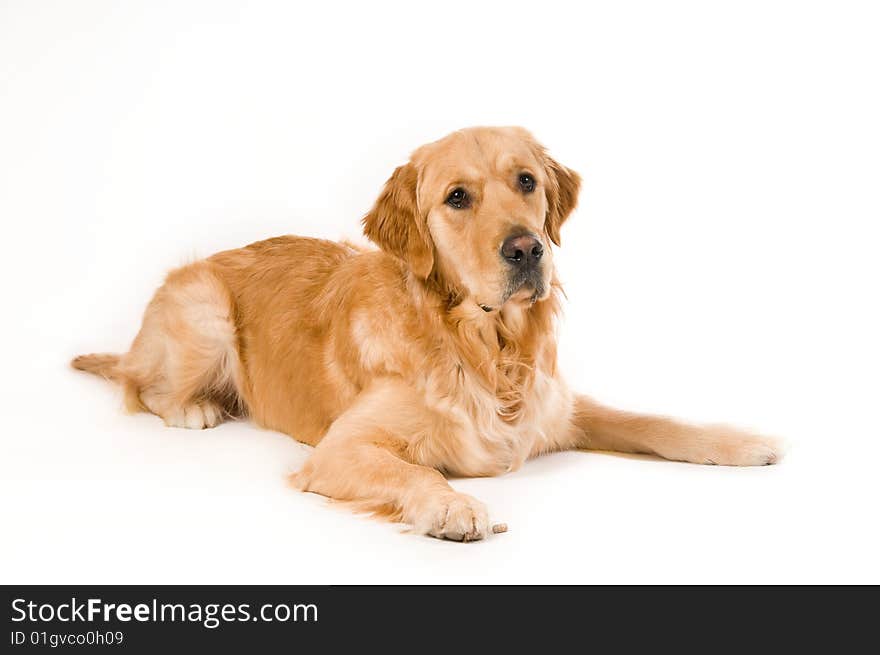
[
  {"x": 364, "y": 458},
  {"x": 598, "y": 427}
]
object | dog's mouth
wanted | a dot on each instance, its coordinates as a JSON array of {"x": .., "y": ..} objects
[{"x": 527, "y": 286}]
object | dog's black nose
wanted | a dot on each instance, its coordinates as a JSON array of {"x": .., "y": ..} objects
[{"x": 522, "y": 250}]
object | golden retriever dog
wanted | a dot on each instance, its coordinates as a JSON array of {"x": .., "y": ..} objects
[{"x": 431, "y": 356}]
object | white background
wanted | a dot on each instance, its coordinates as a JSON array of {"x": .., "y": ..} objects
[{"x": 722, "y": 265}]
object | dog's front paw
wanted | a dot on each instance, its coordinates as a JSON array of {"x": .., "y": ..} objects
[
  {"x": 454, "y": 516},
  {"x": 729, "y": 446}
]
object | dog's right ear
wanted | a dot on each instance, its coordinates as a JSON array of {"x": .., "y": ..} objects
[{"x": 396, "y": 225}]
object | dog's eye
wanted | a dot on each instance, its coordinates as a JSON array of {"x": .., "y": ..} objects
[
  {"x": 458, "y": 198},
  {"x": 526, "y": 183}
]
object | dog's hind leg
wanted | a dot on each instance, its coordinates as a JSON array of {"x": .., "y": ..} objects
[{"x": 184, "y": 363}]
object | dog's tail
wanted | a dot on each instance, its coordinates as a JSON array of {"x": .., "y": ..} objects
[
  {"x": 108, "y": 366},
  {"x": 104, "y": 364}
]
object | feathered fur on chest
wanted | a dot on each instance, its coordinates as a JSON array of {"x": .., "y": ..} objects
[{"x": 485, "y": 379}]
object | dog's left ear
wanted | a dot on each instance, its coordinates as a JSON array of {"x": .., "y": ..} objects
[
  {"x": 563, "y": 186},
  {"x": 396, "y": 225}
]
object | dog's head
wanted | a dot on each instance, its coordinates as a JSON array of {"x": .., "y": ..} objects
[{"x": 478, "y": 209}]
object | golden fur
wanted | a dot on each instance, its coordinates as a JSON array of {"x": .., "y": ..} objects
[{"x": 400, "y": 365}]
